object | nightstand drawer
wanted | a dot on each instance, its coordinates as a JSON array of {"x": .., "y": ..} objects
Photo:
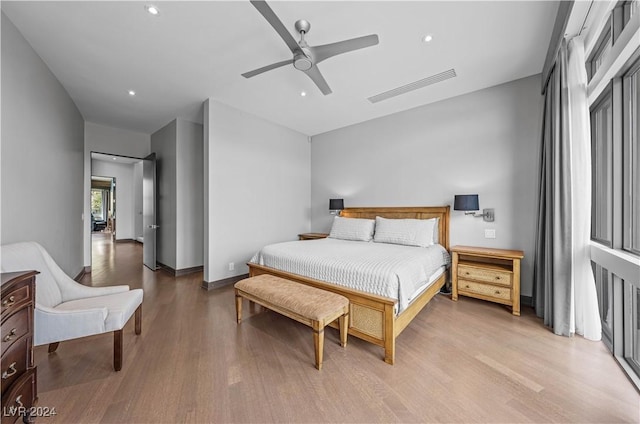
[
  {"x": 492, "y": 276},
  {"x": 486, "y": 290}
]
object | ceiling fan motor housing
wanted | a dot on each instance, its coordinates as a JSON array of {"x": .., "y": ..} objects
[{"x": 302, "y": 60}]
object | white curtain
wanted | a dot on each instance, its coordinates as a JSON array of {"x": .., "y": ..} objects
[
  {"x": 585, "y": 302},
  {"x": 564, "y": 287}
]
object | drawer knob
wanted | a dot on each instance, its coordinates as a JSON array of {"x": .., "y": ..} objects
[
  {"x": 497, "y": 291},
  {"x": 466, "y": 273},
  {"x": 10, "y": 371},
  {"x": 497, "y": 277},
  {"x": 9, "y": 302},
  {"x": 9, "y": 336},
  {"x": 467, "y": 286}
]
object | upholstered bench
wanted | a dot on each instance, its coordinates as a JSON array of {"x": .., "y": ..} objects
[{"x": 311, "y": 306}]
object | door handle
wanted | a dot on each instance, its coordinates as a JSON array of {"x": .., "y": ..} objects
[{"x": 153, "y": 226}]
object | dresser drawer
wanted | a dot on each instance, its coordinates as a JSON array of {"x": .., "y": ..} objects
[
  {"x": 493, "y": 276},
  {"x": 14, "y": 327},
  {"x": 15, "y": 362},
  {"x": 486, "y": 290},
  {"x": 15, "y": 299},
  {"x": 20, "y": 398}
]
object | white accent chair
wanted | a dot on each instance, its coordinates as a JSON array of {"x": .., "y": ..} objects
[{"x": 68, "y": 310}]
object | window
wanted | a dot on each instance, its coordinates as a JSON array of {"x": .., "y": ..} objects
[
  {"x": 615, "y": 162},
  {"x": 97, "y": 204},
  {"x": 601, "y": 169},
  {"x": 600, "y": 52},
  {"x": 631, "y": 158},
  {"x": 604, "y": 289},
  {"x": 632, "y": 326},
  {"x": 629, "y": 8}
]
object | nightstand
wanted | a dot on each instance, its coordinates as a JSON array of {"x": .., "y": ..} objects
[
  {"x": 488, "y": 274},
  {"x": 312, "y": 236}
]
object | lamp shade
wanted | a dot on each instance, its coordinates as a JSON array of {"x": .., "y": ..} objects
[
  {"x": 466, "y": 202},
  {"x": 336, "y": 204}
]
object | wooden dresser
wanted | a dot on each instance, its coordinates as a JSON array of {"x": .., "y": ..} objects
[
  {"x": 488, "y": 274},
  {"x": 19, "y": 386}
]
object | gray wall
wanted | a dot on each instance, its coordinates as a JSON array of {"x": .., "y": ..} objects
[
  {"x": 125, "y": 214},
  {"x": 189, "y": 196},
  {"x": 115, "y": 141},
  {"x": 486, "y": 142},
  {"x": 41, "y": 155},
  {"x": 257, "y": 187},
  {"x": 179, "y": 149},
  {"x": 163, "y": 143}
]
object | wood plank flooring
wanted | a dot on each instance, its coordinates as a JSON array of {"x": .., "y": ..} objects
[{"x": 465, "y": 361}]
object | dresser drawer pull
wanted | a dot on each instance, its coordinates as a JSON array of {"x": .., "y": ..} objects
[
  {"x": 9, "y": 302},
  {"x": 10, "y": 371},
  {"x": 497, "y": 277},
  {"x": 497, "y": 291},
  {"x": 9, "y": 336},
  {"x": 467, "y": 286},
  {"x": 19, "y": 401}
]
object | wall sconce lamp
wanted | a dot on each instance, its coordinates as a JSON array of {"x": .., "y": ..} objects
[
  {"x": 469, "y": 204},
  {"x": 335, "y": 206}
]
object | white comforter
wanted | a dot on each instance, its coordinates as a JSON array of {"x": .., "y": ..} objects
[{"x": 384, "y": 269}]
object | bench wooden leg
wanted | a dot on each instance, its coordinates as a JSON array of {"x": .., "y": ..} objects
[
  {"x": 138, "y": 320},
  {"x": 238, "y": 308},
  {"x": 344, "y": 329},
  {"x": 53, "y": 347},
  {"x": 318, "y": 341},
  {"x": 117, "y": 350}
]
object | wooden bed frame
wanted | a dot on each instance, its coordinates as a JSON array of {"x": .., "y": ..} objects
[{"x": 372, "y": 317}]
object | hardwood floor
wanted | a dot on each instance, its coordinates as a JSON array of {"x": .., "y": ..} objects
[{"x": 465, "y": 361}]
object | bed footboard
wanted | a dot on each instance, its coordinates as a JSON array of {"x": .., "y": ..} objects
[{"x": 371, "y": 317}]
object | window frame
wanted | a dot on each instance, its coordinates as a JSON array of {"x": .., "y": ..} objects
[
  {"x": 606, "y": 97},
  {"x": 605, "y": 40},
  {"x": 630, "y": 130}
]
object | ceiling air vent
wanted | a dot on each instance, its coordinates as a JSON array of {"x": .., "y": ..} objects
[{"x": 413, "y": 86}]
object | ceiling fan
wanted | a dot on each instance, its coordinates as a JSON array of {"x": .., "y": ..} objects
[{"x": 305, "y": 57}]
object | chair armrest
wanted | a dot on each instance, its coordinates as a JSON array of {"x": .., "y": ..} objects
[
  {"x": 79, "y": 291},
  {"x": 52, "y": 325}
]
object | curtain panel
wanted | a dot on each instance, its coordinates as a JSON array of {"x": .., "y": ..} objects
[{"x": 564, "y": 292}]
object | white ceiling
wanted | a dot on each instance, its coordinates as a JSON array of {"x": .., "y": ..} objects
[{"x": 197, "y": 50}]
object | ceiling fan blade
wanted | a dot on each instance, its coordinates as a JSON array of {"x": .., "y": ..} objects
[
  {"x": 267, "y": 68},
  {"x": 326, "y": 51},
  {"x": 277, "y": 24},
  {"x": 318, "y": 79}
]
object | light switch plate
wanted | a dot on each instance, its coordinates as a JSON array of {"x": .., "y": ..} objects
[{"x": 490, "y": 233}]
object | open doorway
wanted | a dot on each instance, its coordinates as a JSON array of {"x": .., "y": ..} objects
[{"x": 122, "y": 220}]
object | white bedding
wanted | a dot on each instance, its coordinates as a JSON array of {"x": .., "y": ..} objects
[{"x": 384, "y": 269}]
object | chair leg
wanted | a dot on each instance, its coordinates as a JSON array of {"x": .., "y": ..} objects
[
  {"x": 117, "y": 350},
  {"x": 53, "y": 347},
  {"x": 138, "y": 319}
]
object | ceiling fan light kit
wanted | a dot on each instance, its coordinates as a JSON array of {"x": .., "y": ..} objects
[{"x": 305, "y": 57}]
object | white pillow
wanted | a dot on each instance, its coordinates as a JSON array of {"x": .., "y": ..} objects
[
  {"x": 352, "y": 229},
  {"x": 409, "y": 232}
]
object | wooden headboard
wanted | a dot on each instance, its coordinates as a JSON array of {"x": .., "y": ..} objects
[{"x": 415, "y": 212}]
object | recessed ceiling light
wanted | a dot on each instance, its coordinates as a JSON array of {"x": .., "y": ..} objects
[
  {"x": 114, "y": 158},
  {"x": 152, "y": 9},
  {"x": 427, "y": 38},
  {"x": 303, "y": 93},
  {"x": 132, "y": 93}
]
